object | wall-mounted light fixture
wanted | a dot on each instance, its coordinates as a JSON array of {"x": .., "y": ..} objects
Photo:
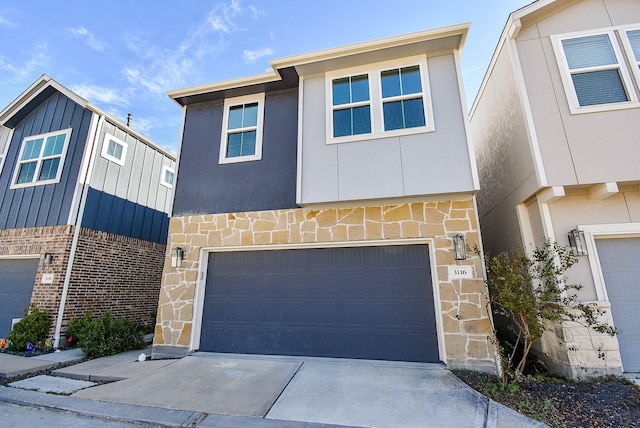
[
  {"x": 177, "y": 256},
  {"x": 578, "y": 242},
  {"x": 45, "y": 260},
  {"x": 459, "y": 247}
]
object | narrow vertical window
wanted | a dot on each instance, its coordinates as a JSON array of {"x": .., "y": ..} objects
[
  {"x": 242, "y": 131},
  {"x": 351, "y": 106},
  {"x": 168, "y": 177}
]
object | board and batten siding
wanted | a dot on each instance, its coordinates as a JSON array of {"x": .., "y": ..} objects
[
  {"x": 426, "y": 163},
  {"x": 44, "y": 205},
  {"x": 206, "y": 187},
  {"x": 129, "y": 199}
]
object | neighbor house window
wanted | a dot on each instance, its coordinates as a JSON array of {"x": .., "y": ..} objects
[
  {"x": 382, "y": 100},
  {"x": 242, "y": 129},
  {"x": 114, "y": 149},
  {"x": 632, "y": 47},
  {"x": 41, "y": 159},
  {"x": 595, "y": 74},
  {"x": 168, "y": 177}
]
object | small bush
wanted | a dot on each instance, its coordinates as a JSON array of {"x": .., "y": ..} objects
[
  {"x": 76, "y": 326},
  {"x": 33, "y": 328},
  {"x": 107, "y": 336}
]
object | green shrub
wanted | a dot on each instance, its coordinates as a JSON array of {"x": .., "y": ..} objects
[
  {"x": 33, "y": 328},
  {"x": 108, "y": 336},
  {"x": 76, "y": 326}
]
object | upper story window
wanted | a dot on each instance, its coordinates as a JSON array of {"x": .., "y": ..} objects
[
  {"x": 41, "y": 159},
  {"x": 595, "y": 72},
  {"x": 168, "y": 177},
  {"x": 241, "y": 138},
  {"x": 385, "y": 99},
  {"x": 114, "y": 149}
]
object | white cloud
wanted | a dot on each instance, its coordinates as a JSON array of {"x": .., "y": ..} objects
[
  {"x": 88, "y": 36},
  {"x": 98, "y": 94},
  {"x": 6, "y": 18},
  {"x": 36, "y": 62},
  {"x": 251, "y": 57}
]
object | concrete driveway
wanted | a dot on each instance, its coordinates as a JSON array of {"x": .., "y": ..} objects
[{"x": 318, "y": 390}]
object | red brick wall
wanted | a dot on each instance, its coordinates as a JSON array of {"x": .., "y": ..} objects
[
  {"x": 110, "y": 272},
  {"x": 116, "y": 273}
]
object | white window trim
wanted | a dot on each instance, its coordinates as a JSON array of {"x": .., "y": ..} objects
[
  {"x": 567, "y": 81},
  {"x": 166, "y": 168},
  {"x": 63, "y": 155},
  {"x": 105, "y": 148},
  {"x": 5, "y": 149},
  {"x": 376, "y": 102},
  {"x": 635, "y": 64},
  {"x": 232, "y": 102}
]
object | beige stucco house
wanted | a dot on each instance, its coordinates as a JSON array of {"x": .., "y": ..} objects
[{"x": 556, "y": 127}]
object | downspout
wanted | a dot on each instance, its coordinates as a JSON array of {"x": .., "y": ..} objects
[{"x": 78, "y": 223}]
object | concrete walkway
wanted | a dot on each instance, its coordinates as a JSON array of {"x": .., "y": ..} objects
[{"x": 241, "y": 390}]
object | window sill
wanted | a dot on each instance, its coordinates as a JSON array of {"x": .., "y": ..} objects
[
  {"x": 239, "y": 159},
  {"x": 596, "y": 108}
]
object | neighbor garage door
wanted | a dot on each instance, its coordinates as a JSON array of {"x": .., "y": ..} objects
[
  {"x": 16, "y": 284},
  {"x": 620, "y": 263},
  {"x": 361, "y": 302}
]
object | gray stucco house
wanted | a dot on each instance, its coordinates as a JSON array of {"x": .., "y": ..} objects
[
  {"x": 84, "y": 210},
  {"x": 317, "y": 206},
  {"x": 555, "y": 126}
]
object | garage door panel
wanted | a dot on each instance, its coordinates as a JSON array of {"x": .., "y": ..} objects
[
  {"x": 17, "y": 277},
  {"x": 364, "y": 302},
  {"x": 620, "y": 263}
]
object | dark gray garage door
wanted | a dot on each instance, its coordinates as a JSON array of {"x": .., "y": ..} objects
[
  {"x": 362, "y": 302},
  {"x": 16, "y": 284},
  {"x": 620, "y": 263}
]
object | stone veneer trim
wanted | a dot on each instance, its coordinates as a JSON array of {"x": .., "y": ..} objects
[{"x": 463, "y": 310}]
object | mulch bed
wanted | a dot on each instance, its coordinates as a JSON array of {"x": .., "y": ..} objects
[{"x": 601, "y": 402}]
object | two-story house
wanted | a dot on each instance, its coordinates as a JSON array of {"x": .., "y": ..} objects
[
  {"x": 84, "y": 210},
  {"x": 318, "y": 208},
  {"x": 556, "y": 125}
]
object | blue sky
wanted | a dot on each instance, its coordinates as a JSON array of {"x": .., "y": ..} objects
[{"x": 124, "y": 55}]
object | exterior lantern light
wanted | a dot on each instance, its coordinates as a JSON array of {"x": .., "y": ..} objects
[
  {"x": 177, "y": 256},
  {"x": 45, "y": 260},
  {"x": 578, "y": 243},
  {"x": 459, "y": 247}
]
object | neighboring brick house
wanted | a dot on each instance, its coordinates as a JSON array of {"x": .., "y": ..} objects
[
  {"x": 316, "y": 206},
  {"x": 84, "y": 210},
  {"x": 556, "y": 125}
]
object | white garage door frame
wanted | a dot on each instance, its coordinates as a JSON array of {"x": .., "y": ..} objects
[
  {"x": 595, "y": 231},
  {"x": 204, "y": 260}
]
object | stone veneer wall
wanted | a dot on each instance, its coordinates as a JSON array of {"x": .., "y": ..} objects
[
  {"x": 37, "y": 241},
  {"x": 464, "y": 316},
  {"x": 110, "y": 272},
  {"x": 575, "y": 351}
]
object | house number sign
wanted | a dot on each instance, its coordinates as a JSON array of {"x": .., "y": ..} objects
[
  {"x": 47, "y": 278},
  {"x": 460, "y": 272}
]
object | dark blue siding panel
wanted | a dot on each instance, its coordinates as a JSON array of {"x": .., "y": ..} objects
[
  {"x": 204, "y": 186},
  {"x": 46, "y": 205},
  {"x": 111, "y": 214}
]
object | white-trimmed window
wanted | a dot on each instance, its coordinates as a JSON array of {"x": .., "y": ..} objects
[
  {"x": 381, "y": 100},
  {"x": 241, "y": 138},
  {"x": 594, "y": 70},
  {"x": 168, "y": 176},
  {"x": 631, "y": 41},
  {"x": 114, "y": 149},
  {"x": 41, "y": 159}
]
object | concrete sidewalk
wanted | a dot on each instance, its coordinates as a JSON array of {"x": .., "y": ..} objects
[{"x": 241, "y": 390}]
